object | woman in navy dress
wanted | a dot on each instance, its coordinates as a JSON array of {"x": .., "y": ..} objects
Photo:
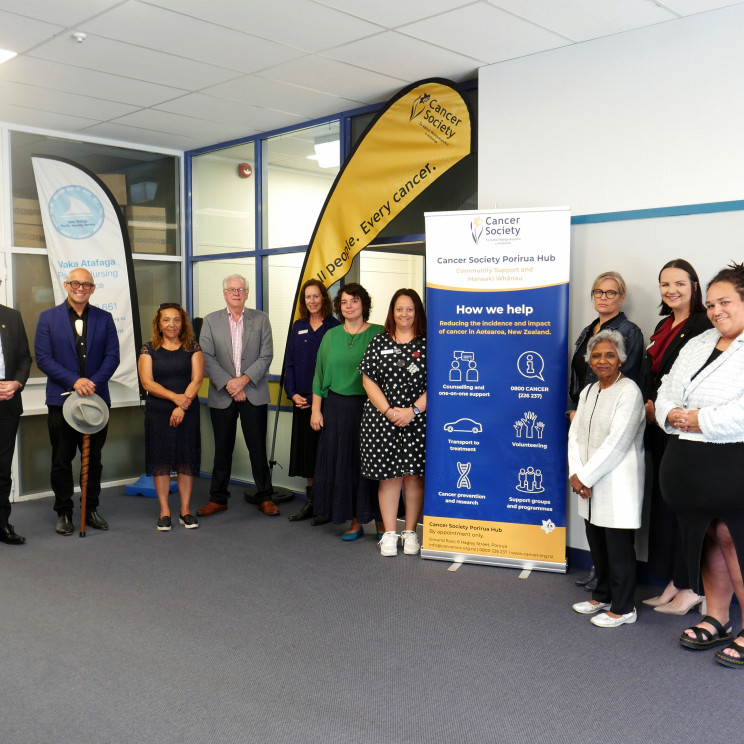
[
  {"x": 171, "y": 369},
  {"x": 316, "y": 317}
]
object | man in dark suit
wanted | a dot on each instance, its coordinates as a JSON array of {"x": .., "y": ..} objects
[
  {"x": 15, "y": 365},
  {"x": 238, "y": 350},
  {"x": 77, "y": 348}
]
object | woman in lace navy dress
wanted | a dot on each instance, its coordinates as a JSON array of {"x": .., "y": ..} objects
[{"x": 171, "y": 369}]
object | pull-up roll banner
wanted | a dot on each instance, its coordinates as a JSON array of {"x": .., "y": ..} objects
[{"x": 497, "y": 307}]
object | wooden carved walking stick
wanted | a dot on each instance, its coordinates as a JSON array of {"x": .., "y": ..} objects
[{"x": 85, "y": 458}]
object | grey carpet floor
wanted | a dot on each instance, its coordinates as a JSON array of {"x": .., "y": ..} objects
[{"x": 255, "y": 629}]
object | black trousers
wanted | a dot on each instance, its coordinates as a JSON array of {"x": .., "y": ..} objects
[
  {"x": 224, "y": 424},
  {"x": 65, "y": 444},
  {"x": 613, "y": 553},
  {"x": 8, "y": 430}
]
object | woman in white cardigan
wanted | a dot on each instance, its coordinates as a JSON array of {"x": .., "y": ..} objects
[
  {"x": 605, "y": 459},
  {"x": 701, "y": 403}
]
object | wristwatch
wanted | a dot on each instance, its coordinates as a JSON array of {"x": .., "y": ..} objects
[{"x": 416, "y": 411}]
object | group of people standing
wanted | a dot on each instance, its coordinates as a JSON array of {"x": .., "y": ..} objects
[
  {"x": 685, "y": 396},
  {"x": 359, "y": 422}
]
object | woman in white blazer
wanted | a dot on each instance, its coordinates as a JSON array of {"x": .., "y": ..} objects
[
  {"x": 605, "y": 459},
  {"x": 701, "y": 404}
]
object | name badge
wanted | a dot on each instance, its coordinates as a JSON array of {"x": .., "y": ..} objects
[
  {"x": 388, "y": 351},
  {"x": 299, "y": 333}
]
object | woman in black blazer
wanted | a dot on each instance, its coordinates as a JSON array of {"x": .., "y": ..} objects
[{"x": 685, "y": 317}]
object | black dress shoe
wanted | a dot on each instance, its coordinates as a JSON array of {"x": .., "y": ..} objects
[
  {"x": 96, "y": 521},
  {"x": 320, "y": 519},
  {"x": 584, "y": 580},
  {"x": 306, "y": 511},
  {"x": 8, "y": 535},
  {"x": 64, "y": 525}
]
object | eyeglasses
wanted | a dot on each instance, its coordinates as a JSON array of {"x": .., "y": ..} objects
[
  {"x": 610, "y": 294},
  {"x": 239, "y": 290},
  {"x": 164, "y": 305},
  {"x": 87, "y": 286}
]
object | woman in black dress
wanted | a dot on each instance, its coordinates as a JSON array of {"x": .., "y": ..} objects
[
  {"x": 171, "y": 370},
  {"x": 684, "y": 318},
  {"x": 394, "y": 418},
  {"x": 316, "y": 317}
]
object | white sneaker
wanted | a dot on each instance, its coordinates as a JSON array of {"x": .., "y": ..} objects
[
  {"x": 389, "y": 544},
  {"x": 411, "y": 545},
  {"x": 605, "y": 621},
  {"x": 587, "y": 608}
]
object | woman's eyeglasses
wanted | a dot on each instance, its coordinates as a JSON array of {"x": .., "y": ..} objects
[{"x": 610, "y": 294}]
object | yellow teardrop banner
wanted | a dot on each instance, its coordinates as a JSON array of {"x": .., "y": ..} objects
[{"x": 422, "y": 132}]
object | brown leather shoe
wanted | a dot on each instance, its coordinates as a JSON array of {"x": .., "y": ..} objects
[
  {"x": 211, "y": 507},
  {"x": 269, "y": 508}
]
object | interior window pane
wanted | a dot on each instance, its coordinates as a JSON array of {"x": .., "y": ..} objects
[
  {"x": 297, "y": 182},
  {"x": 144, "y": 184},
  {"x": 382, "y": 273},
  {"x": 208, "y": 276},
  {"x": 223, "y": 200},
  {"x": 281, "y": 274}
]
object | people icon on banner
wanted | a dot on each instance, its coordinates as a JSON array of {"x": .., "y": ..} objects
[{"x": 530, "y": 480}]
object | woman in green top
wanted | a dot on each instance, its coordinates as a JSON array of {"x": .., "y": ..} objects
[{"x": 340, "y": 492}]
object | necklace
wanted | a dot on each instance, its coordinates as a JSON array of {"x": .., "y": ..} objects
[
  {"x": 619, "y": 375},
  {"x": 353, "y": 335}
]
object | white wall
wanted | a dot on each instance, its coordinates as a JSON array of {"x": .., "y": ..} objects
[{"x": 647, "y": 119}]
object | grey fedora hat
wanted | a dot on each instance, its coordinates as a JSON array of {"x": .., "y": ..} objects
[{"x": 87, "y": 414}]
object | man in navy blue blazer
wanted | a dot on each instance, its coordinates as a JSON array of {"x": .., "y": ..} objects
[{"x": 77, "y": 348}]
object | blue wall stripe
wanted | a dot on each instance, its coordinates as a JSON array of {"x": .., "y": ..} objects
[{"x": 645, "y": 214}]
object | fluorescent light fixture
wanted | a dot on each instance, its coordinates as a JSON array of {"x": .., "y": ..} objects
[
  {"x": 5, "y": 55},
  {"x": 327, "y": 151}
]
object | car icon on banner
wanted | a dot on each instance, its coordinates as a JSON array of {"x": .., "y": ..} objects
[{"x": 464, "y": 424}]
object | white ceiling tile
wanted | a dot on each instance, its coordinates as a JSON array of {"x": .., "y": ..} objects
[
  {"x": 581, "y": 20},
  {"x": 139, "y": 136},
  {"x": 67, "y": 13},
  {"x": 90, "y": 82},
  {"x": 333, "y": 77},
  {"x": 162, "y": 121},
  {"x": 403, "y": 57},
  {"x": 299, "y": 23},
  {"x": 393, "y": 13},
  {"x": 229, "y": 112},
  {"x": 35, "y": 97},
  {"x": 485, "y": 32},
  {"x": 184, "y": 36},
  {"x": 127, "y": 60},
  {"x": 688, "y": 7},
  {"x": 18, "y": 33},
  {"x": 280, "y": 97},
  {"x": 43, "y": 119}
]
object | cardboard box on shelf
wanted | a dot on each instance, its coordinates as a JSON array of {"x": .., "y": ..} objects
[
  {"x": 117, "y": 185},
  {"x": 26, "y": 211},
  {"x": 28, "y": 236},
  {"x": 151, "y": 218},
  {"x": 150, "y": 241}
]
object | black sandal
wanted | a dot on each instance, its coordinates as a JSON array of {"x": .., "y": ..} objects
[
  {"x": 732, "y": 661},
  {"x": 704, "y": 638}
]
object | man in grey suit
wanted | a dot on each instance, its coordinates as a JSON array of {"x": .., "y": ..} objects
[{"x": 238, "y": 350}]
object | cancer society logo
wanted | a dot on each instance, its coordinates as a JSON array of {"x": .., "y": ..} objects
[
  {"x": 418, "y": 105},
  {"x": 476, "y": 229}
]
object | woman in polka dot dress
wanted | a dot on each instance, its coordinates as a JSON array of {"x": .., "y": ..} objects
[{"x": 394, "y": 417}]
